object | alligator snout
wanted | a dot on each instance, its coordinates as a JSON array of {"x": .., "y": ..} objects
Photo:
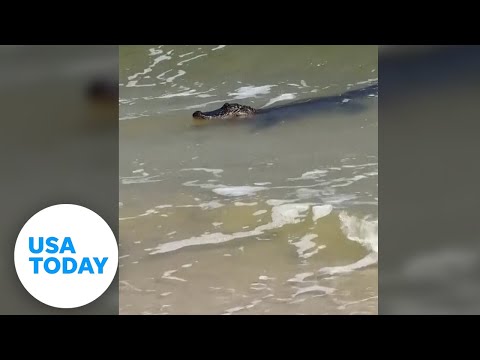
[
  {"x": 227, "y": 111},
  {"x": 198, "y": 115}
]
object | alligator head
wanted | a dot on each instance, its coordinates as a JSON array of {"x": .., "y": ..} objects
[{"x": 227, "y": 111}]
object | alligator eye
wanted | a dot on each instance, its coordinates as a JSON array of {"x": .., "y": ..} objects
[{"x": 226, "y": 104}]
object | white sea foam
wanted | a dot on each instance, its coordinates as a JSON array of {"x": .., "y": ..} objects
[
  {"x": 365, "y": 232},
  {"x": 179, "y": 73},
  {"x": 168, "y": 275},
  {"x": 204, "y": 206},
  {"x": 305, "y": 193},
  {"x": 154, "y": 52},
  {"x": 215, "y": 172},
  {"x": 140, "y": 179},
  {"x": 314, "y": 289},
  {"x": 305, "y": 244},
  {"x": 311, "y": 175},
  {"x": 239, "y": 203},
  {"x": 276, "y": 202},
  {"x": 368, "y": 260},
  {"x": 281, "y": 215},
  {"x": 359, "y": 165},
  {"x": 288, "y": 96},
  {"x": 134, "y": 83},
  {"x": 187, "y": 60},
  {"x": 132, "y": 79},
  {"x": 299, "y": 278},
  {"x": 321, "y": 211},
  {"x": 186, "y": 54},
  {"x": 238, "y": 190},
  {"x": 251, "y": 91}
]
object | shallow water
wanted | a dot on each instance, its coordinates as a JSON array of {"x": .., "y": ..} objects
[{"x": 232, "y": 219}]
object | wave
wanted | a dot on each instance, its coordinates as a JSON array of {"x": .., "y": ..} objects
[{"x": 363, "y": 231}]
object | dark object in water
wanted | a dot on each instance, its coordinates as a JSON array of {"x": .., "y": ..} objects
[
  {"x": 347, "y": 101},
  {"x": 227, "y": 111},
  {"x": 102, "y": 90}
]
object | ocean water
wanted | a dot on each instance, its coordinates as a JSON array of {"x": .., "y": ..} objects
[{"x": 232, "y": 219}]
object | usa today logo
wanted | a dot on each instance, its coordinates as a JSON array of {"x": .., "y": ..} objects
[{"x": 66, "y": 256}]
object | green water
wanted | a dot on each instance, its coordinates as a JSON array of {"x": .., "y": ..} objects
[{"x": 235, "y": 220}]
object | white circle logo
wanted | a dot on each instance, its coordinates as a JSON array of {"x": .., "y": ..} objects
[{"x": 66, "y": 256}]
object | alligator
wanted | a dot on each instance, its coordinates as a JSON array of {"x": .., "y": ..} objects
[{"x": 349, "y": 101}]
